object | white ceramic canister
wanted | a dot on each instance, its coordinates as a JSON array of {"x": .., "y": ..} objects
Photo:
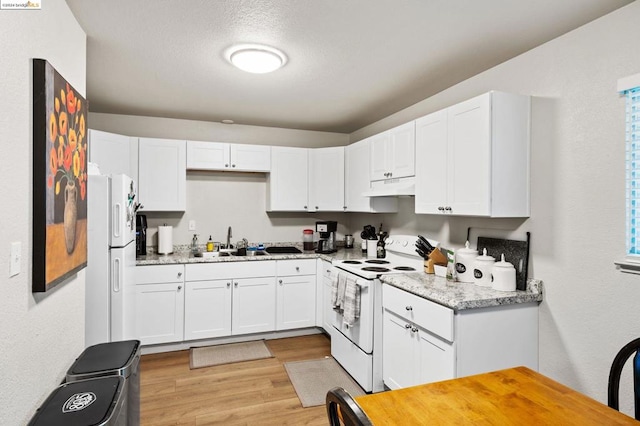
[
  {"x": 504, "y": 276},
  {"x": 465, "y": 261},
  {"x": 482, "y": 269}
]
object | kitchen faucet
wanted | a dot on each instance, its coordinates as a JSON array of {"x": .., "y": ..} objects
[{"x": 229, "y": 237}]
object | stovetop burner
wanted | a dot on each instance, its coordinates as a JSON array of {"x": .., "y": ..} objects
[
  {"x": 404, "y": 268},
  {"x": 375, "y": 269},
  {"x": 377, "y": 261},
  {"x": 352, "y": 262}
]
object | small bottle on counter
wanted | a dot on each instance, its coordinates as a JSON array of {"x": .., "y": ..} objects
[
  {"x": 210, "y": 245},
  {"x": 381, "y": 252}
]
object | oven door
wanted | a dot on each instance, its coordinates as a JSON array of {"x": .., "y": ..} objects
[{"x": 361, "y": 333}]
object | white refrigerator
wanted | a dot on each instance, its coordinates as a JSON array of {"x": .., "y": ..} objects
[{"x": 109, "y": 292}]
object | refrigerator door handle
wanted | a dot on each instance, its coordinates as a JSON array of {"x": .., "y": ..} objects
[
  {"x": 116, "y": 220},
  {"x": 116, "y": 275}
]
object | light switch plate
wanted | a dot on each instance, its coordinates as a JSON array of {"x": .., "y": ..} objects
[
  {"x": 16, "y": 257},
  {"x": 192, "y": 225}
]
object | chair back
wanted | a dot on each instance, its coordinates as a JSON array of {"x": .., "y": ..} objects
[
  {"x": 619, "y": 361},
  {"x": 342, "y": 409}
]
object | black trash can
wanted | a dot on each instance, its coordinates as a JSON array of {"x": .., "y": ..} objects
[
  {"x": 113, "y": 359},
  {"x": 98, "y": 401}
]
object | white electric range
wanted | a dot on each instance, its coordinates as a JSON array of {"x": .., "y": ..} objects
[{"x": 358, "y": 348}]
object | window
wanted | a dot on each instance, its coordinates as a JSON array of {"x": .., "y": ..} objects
[{"x": 630, "y": 87}]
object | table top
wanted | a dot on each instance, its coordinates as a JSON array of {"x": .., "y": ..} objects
[{"x": 515, "y": 396}]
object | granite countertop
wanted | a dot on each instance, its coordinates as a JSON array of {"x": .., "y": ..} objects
[
  {"x": 184, "y": 257},
  {"x": 459, "y": 296}
]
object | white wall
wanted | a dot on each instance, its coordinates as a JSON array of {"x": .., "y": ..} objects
[
  {"x": 42, "y": 334},
  {"x": 578, "y": 202}
]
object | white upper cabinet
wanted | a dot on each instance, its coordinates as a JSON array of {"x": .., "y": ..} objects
[
  {"x": 393, "y": 153},
  {"x": 473, "y": 158},
  {"x": 229, "y": 157},
  {"x": 307, "y": 180},
  {"x": 357, "y": 182},
  {"x": 326, "y": 179},
  {"x": 162, "y": 174},
  {"x": 113, "y": 153},
  {"x": 288, "y": 182}
]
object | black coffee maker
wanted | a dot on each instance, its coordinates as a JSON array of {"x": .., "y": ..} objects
[
  {"x": 327, "y": 230},
  {"x": 141, "y": 235}
]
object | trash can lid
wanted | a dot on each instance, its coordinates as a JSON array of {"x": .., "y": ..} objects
[
  {"x": 85, "y": 402},
  {"x": 105, "y": 357}
]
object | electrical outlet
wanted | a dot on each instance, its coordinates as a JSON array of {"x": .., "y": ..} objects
[
  {"x": 16, "y": 257},
  {"x": 192, "y": 225}
]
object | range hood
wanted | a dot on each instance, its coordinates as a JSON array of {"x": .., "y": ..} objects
[{"x": 401, "y": 187}]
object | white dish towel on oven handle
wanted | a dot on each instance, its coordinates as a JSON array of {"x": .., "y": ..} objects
[{"x": 351, "y": 305}]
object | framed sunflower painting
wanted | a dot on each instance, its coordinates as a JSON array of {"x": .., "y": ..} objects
[{"x": 59, "y": 178}]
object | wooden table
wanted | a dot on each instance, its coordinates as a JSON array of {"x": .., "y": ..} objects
[{"x": 517, "y": 396}]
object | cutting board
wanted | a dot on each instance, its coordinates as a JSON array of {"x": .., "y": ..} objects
[{"x": 515, "y": 252}]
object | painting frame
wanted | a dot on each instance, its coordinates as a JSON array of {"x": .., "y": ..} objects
[{"x": 60, "y": 190}]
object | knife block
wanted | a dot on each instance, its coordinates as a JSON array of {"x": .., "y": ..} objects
[{"x": 435, "y": 258}]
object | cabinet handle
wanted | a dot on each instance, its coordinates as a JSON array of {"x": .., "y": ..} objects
[
  {"x": 448, "y": 208},
  {"x": 179, "y": 287},
  {"x": 390, "y": 174},
  {"x": 317, "y": 207},
  {"x": 328, "y": 271},
  {"x": 297, "y": 269},
  {"x": 344, "y": 207},
  {"x": 414, "y": 329},
  {"x": 226, "y": 165},
  {"x": 280, "y": 281},
  {"x": 179, "y": 274},
  {"x": 235, "y": 285},
  {"x": 441, "y": 208},
  {"x": 407, "y": 326},
  {"x": 228, "y": 285},
  {"x": 409, "y": 308},
  {"x": 233, "y": 165},
  {"x": 305, "y": 207}
]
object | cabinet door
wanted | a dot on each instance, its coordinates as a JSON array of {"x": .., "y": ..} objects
[
  {"x": 380, "y": 159},
  {"x": 435, "y": 358},
  {"x": 250, "y": 158},
  {"x": 288, "y": 184},
  {"x": 403, "y": 142},
  {"x": 357, "y": 181},
  {"x": 207, "y": 309},
  {"x": 208, "y": 155},
  {"x": 399, "y": 368},
  {"x": 296, "y": 302},
  {"x": 254, "y": 305},
  {"x": 113, "y": 153},
  {"x": 431, "y": 163},
  {"x": 469, "y": 157},
  {"x": 162, "y": 174},
  {"x": 159, "y": 313},
  {"x": 326, "y": 179}
]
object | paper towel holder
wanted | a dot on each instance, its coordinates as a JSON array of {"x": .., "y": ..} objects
[{"x": 165, "y": 239}]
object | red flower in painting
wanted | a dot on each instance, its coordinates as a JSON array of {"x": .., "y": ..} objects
[{"x": 67, "y": 155}]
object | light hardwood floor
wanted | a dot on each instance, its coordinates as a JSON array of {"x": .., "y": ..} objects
[{"x": 247, "y": 393}]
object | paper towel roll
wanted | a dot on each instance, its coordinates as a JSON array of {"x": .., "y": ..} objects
[{"x": 165, "y": 239}]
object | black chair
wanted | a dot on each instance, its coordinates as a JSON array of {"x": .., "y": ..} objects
[
  {"x": 341, "y": 406},
  {"x": 616, "y": 369}
]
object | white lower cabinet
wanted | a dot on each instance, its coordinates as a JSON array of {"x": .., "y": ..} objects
[
  {"x": 159, "y": 304},
  {"x": 229, "y": 299},
  {"x": 425, "y": 342},
  {"x": 296, "y": 294},
  {"x": 324, "y": 295}
]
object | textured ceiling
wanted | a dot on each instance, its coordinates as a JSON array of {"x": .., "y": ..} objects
[{"x": 351, "y": 62}]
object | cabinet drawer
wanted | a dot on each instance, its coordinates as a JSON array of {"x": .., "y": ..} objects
[
  {"x": 286, "y": 268},
  {"x": 156, "y": 274},
  {"x": 434, "y": 318},
  {"x": 223, "y": 270}
]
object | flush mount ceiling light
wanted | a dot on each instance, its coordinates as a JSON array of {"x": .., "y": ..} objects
[{"x": 255, "y": 58}]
